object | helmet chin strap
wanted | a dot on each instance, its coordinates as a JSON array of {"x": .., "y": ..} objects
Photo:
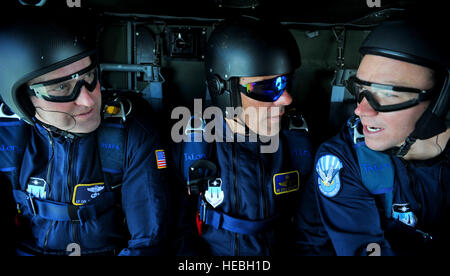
[{"x": 403, "y": 149}]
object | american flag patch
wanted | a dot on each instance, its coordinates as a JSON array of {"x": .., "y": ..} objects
[{"x": 161, "y": 159}]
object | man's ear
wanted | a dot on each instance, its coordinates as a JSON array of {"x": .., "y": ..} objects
[{"x": 25, "y": 102}]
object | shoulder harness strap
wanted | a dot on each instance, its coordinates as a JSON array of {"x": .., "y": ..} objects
[
  {"x": 195, "y": 159},
  {"x": 112, "y": 140},
  {"x": 111, "y": 146},
  {"x": 299, "y": 145},
  {"x": 377, "y": 170}
]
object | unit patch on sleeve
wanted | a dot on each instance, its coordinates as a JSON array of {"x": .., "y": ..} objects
[
  {"x": 327, "y": 168},
  {"x": 160, "y": 159}
]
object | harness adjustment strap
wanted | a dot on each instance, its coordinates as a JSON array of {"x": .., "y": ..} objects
[
  {"x": 58, "y": 211},
  {"x": 221, "y": 220}
]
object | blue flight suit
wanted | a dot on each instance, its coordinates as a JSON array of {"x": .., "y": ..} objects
[
  {"x": 354, "y": 217},
  {"x": 257, "y": 195},
  {"x": 58, "y": 173}
]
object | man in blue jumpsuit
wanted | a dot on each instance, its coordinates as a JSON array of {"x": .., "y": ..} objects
[
  {"x": 86, "y": 174},
  {"x": 247, "y": 193},
  {"x": 382, "y": 184}
]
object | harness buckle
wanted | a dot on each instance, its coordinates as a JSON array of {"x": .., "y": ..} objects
[
  {"x": 295, "y": 120},
  {"x": 200, "y": 171},
  {"x": 5, "y": 112},
  {"x": 73, "y": 213},
  {"x": 195, "y": 125},
  {"x": 354, "y": 124}
]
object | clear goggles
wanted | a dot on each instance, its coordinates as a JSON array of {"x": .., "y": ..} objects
[
  {"x": 267, "y": 90},
  {"x": 386, "y": 98},
  {"x": 66, "y": 89}
]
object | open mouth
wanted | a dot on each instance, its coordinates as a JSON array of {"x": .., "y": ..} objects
[{"x": 372, "y": 129}]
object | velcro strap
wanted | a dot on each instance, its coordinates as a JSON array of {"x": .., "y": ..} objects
[
  {"x": 58, "y": 211},
  {"x": 220, "y": 220}
]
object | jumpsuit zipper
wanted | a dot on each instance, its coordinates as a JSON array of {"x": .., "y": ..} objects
[
  {"x": 426, "y": 236},
  {"x": 71, "y": 188},
  {"x": 49, "y": 169},
  {"x": 263, "y": 188},
  {"x": 264, "y": 200}
]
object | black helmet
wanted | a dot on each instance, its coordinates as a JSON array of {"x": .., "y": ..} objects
[
  {"x": 246, "y": 47},
  {"x": 418, "y": 43},
  {"x": 30, "y": 48}
]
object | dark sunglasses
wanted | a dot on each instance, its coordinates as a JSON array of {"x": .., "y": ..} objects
[
  {"x": 386, "y": 98},
  {"x": 267, "y": 90},
  {"x": 66, "y": 89}
]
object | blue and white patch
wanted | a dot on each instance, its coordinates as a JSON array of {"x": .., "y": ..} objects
[
  {"x": 214, "y": 195},
  {"x": 37, "y": 187},
  {"x": 403, "y": 213},
  {"x": 327, "y": 168}
]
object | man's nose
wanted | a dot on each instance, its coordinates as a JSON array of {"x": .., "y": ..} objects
[
  {"x": 86, "y": 97},
  {"x": 364, "y": 109}
]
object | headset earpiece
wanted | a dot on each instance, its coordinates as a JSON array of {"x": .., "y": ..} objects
[{"x": 216, "y": 85}]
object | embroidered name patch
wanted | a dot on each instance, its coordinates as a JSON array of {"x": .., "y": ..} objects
[
  {"x": 327, "y": 168},
  {"x": 286, "y": 182},
  {"x": 83, "y": 193}
]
